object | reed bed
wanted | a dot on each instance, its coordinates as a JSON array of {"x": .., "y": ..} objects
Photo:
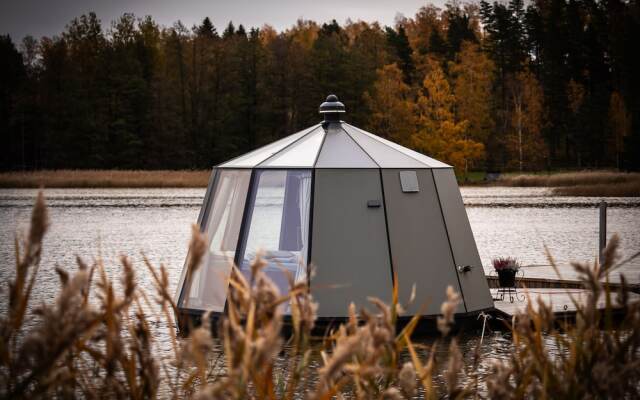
[
  {"x": 567, "y": 179},
  {"x": 105, "y": 348},
  {"x": 623, "y": 189},
  {"x": 105, "y": 179}
]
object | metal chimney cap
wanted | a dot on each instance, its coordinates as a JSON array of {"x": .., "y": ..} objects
[{"x": 332, "y": 105}]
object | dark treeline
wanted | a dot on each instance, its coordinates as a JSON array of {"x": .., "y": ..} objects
[{"x": 553, "y": 84}]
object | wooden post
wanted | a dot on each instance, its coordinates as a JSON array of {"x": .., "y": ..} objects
[{"x": 603, "y": 229}]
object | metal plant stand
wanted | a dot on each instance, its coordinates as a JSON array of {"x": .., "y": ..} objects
[{"x": 511, "y": 291}]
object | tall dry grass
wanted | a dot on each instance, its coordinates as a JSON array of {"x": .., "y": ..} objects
[
  {"x": 570, "y": 179},
  {"x": 106, "y": 347},
  {"x": 596, "y": 357},
  {"x": 584, "y": 183},
  {"x": 623, "y": 189},
  {"x": 104, "y": 179}
]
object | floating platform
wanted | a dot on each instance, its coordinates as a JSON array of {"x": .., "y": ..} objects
[
  {"x": 560, "y": 300},
  {"x": 539, "y": 277}
]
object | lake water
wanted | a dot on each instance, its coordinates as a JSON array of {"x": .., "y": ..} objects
[
  {"x": 109, "y": 222},
  {"x": 506, "y": 222}
]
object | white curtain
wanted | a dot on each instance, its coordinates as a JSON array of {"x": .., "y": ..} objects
[
  {"x": 236, "y": 209},
  {"x": 220, "y": 199},
  {"x": 304, "y": 194},
  {"x": 222, "y": 232}
]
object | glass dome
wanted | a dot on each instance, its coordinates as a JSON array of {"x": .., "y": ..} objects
[{"x": 362, "y": 209}]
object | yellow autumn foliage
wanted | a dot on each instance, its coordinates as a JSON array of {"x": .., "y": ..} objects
[
  {"x": 392, "y": 107},
  {"x": 438, "y": 133},
  {"x": 472, "y": 76}
]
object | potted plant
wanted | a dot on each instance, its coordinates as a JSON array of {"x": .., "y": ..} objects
[{"x": 506, "y": 267}]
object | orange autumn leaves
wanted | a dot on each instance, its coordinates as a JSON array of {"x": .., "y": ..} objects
[
  {"x": 446, "y": 117},
  {"x": 450, "y": 115},
  {"x": 392, "y": 106},
  {"x": 439, "y": 132}
]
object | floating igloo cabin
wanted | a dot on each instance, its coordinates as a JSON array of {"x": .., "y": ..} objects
[{"x": 361, "y": 209}]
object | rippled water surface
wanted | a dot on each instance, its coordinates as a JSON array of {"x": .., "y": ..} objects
[
  {"x": 505, "y": 221},
  {"x": 110, "y": 222}
]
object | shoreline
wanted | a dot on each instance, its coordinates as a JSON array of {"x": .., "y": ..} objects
[
  {"x": 70, "y": 179},
  {"x": 602, "y": 183},
  {"x": 580, "y": 184}
]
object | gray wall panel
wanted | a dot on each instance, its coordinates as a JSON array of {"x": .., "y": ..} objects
[
  {"x": 349, "y": 247},
  {"x": 474, "y": 282},
  {"x": 419, "y": 247}
]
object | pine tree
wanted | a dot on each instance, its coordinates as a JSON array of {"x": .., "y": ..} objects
[
  {"x": 206, "y": 29},
  {"x": 402, "y": 51},
  {"x": 229, "y": 31},
  {"x": 241, "y": 31},
  {"x": 458, "y": 29},
  {"x": 517, "y": 51},
  {"x": 437, "y": 44},
  {"x": 329, "y": 63},
  {"x": 141, "y": 96},
  {"x": 366, "y": 54},
  {"x": 620, "y": 126},
  {"x": 12, "y": 77},
  {"x": 420, "y": 28},
  {"x": 83, "y": 96}
]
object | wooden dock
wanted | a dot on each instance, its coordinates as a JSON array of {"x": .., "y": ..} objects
[
  {"x": 560, "y": 300},
  {"x": 535, "y": 276}
]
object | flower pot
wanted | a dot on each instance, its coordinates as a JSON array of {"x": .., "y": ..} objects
[{"x": 507, "y": 278}]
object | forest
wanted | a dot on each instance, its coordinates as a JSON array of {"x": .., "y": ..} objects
[{"x": 504, "y": 86}]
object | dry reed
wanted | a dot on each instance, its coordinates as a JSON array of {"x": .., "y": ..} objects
[
  {"x": 582, "y": 178},
  {"x": 104, "y": 179},
  {"x": 105, "y": 347},
  {"x": 625, "y": 189},
  {"x": 595, "y": 358}
]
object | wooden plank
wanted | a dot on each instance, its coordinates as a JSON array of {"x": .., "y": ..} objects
[
  {"x": 567, "y": 273},
  {"x": 540, "y": 283},
  {"x": 560, "y": 300}
]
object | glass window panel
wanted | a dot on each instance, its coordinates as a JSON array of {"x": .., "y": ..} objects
[
  {"x": 278, "y": 228},
  {"x": 257, "y": 156},
  {"x": 385, "y": 156},
  {"x": 300, "y": 154},
  {"x": 339, "y": 150},
  {"x": 428, "y": 161},
  {"x": 207, "y": 289}
]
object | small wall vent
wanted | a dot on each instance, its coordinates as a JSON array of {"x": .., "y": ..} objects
[{"x": 409, "y": 182}]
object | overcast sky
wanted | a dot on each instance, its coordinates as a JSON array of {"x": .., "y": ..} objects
[{"x": 46, "y": 18}]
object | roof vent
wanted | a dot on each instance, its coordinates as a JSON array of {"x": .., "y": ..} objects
[{"x": 332, "y": 108}]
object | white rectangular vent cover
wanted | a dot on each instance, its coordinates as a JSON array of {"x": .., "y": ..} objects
[{"x": 409, "y": 181}]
